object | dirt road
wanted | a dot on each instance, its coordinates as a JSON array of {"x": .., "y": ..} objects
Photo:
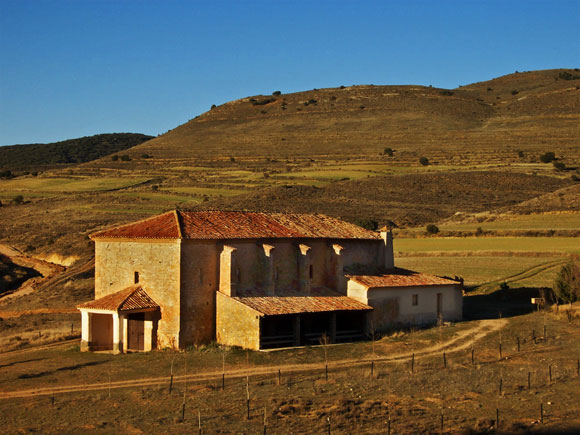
[{"x": 463, "y": 340}]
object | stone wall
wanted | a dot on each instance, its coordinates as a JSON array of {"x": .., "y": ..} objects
[
  {"x": 236, "y": 324},
  {"x": 158, "y": 266}
]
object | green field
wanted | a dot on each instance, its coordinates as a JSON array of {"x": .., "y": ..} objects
[
  {"x": 567, "y": 245},
  {"x": 209, "y": 191},
  {"x": 545, "y": 221},
  {"x": 479, "y": 270},
  {"x": 69, "y": 184}
]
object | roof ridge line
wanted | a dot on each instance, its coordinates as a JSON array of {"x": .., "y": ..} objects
[{"x": 178, "y": 222}]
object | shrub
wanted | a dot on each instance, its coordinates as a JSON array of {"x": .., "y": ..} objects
[
  {"x": 567, "y": 283},
  {"x": 424, "y": 161},
  {"x": 155, "y": 187},
  {"x": 232, "y": 159},
  {"x": 547, "y": 157},
  {"x": 515, "y": 92},
  {"x": 504, "y": 286},
  {"x": 213, "y": 106},
  {"x": 559, "y": 166},
  {"x": 276, "y": 93},
  {"x": 125, "y": 158},
  {"x": 446, "y": 93},
  {"x": 18, "y": 199},
  {"x": 114, "y": 158},
  {"x": 369, "y": 224},
  {"x": 565, "y": 75},
  {"x": 262, "y": 102},
  {"x": 6, "y": 174},
  {"x": 388, "y": 152},
  {"x": 520, "y": 154},
  {"x": 432, "y": 229},
  {"x": 489, "y": 89},
  {"x": 145, "y": 156}
]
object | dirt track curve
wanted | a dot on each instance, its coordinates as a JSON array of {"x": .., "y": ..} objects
[{"x": 463, "y": 340}]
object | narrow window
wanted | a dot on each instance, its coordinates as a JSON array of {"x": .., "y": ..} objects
[
  {"x": 136, "y": 277},
  {"x": 311, "y": 271},
  {"x": 415, "y": 300}
]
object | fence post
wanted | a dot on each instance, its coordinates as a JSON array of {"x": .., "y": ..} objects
[
  {"x": 444, "y": 360},
  {"x": 171, "y": 384},
  {"x": 541, "y": 412},
  {"x": 550, "y": 372},
  {"x": 441, "y": 423},
  {"x": 500, "y": 385},
  {"x": 529, "y": 380},
  {"x": 413, "y": 363},
  {"x": 500, "y": 353},
  {"x": 497, "y": 418},
  {"x": 472, "y": 355},
  {"x": 518, "y": 339},
  {"x": 279, "y": 376},
  {"x": 372, "y": 368},
  {"x": 326, "y": 371}
]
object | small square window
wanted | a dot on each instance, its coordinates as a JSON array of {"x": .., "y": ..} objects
[
  {"x": 415, "y": 300},
  {"x": 136, "y": 277}
]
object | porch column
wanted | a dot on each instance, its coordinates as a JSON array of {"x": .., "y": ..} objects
[
  {"x": 148, "y": 333},
  {"x": 296, "y": 330},
  {"x": 340, "y": 279},
  {"x": 85, "y": 331},
  {"x": 332, "y": 327},
  {"x": 228, "y": 273},
  {"x": 117, "y": 332},
  {"x": 125, "y": 332},
  {"x": 269, "y": 282},
  {"x": 304, "y": 262}
]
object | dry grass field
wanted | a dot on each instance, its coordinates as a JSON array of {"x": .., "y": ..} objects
[{"x": 408, "y": 380}]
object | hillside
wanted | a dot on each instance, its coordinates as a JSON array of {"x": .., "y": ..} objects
[
  {"x": 84, "y": 149},
  {"x": 527, "y": 111}
]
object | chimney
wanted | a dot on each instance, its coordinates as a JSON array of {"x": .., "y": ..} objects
[{"x": 389, "y": 255}]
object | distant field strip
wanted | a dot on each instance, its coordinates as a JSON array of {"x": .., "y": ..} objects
[
  {"x": 69, "y": 184},
  {"x": 486, "y": 269},
  {"x": 209, "y": 191},
  {"x": 565, "y": 245},
  {"x": 546, "y": 221}
]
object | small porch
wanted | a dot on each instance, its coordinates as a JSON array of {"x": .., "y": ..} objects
[{"x": 125, "y": 321}]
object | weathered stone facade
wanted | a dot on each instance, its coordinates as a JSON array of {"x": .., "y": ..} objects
[{"x": 243, "y": 279}]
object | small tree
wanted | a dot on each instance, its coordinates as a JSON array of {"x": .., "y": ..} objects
[
  {"x": 547, "y": 157},
  {"x": 388, "y": 152},
  {"x": 424, "y": 161},
  {"x": 18, "y": 199},
  {"x": 114, "y": 158},
  {"x": 432, "y": 229},
  {"x": 559, "y": 166},
  {"x": 125, "y": 158},
  {"x": 567, "y": 283},
  {"x": 276, "y": 93}
]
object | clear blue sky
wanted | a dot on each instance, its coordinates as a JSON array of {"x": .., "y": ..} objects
[{"x": 77, "y": 68}]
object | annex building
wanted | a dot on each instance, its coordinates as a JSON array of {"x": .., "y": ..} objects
[{"x": 254, "y": 280}]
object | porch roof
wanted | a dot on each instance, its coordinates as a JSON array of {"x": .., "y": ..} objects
[
  {"x": 293, "y": 302},
  {"x": 129, "y": 299}
]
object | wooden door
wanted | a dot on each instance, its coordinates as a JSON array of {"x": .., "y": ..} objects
[{"x": 136, "y": 331}]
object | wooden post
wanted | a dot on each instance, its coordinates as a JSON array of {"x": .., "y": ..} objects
[
  {"x": 326, "y": 371},
  {"x": 171, "y": 384},
  {"x": 518, "y": 340},
  {"x": 279, "y": 376},
  {"x": 497, "y": 419},
  {"x": 52, "y": 401},
  {"x": 199, "y": 421},
  {"x": 372, "y": 368},
  {"x": 223, "y": 381},
  {"x": 441, "y": 423},
  {"x": 544, "y": 332},
  {"x": 413, "y": 363},
  {"x": 534, "y": 335},
  {"x": 265, "y": 425},
  {"x": 500, "y": 385},
  {"x": 550, "y": 372},
  {"x": 529, "y": 380},
  {"x": 472, "y": 356},
  {"x": 578, "y": 367},
  {"x": 328, "y": 419},
  {"x": 444, "y": 360},
  {"x": 183, "y": 412},
  {"x": 248, "y": 395},
  {"x": 72, "y": 327},
  {"x": 541, "y": 412},
  {"x": 500, "y": 354}
]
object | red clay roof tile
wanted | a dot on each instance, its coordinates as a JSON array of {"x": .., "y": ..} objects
[
  {"x": 400, "y": 278},
  {"x": 290, "y": 302},
  {"x": 220, "y": 225},
  {"x": 131, "y": 298}
]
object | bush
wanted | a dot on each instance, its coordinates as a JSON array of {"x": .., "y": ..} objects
[
  {"x": 125, "y": 158},
  {"x": 547, "y": 157},
  {"x": 504, "y": 286},
  {"x": 6, "y": 174},
  {"x": 565, "y": 75},
  {"x": 155, "y": 187},
  {"x": 432, "y": 229},
  {"x": 520, "y": 154},
  {"x": 515, "y": 92},
  {"x": 114, "y": 158},
  {"x": 567, "y": 283},
  {"x": 369, "y": 224},
  {"x": 213, "y": 106},
  {"x": 424, "y": 161},
  {"x": 388, "y": 152},
  {"x": 18, "y": 199},
  {"x": 276, "y": 93},
  {"x": 145, "y": 156},
  {"x": 559, "y": 166},
  {"x": 446, "y": 93}
]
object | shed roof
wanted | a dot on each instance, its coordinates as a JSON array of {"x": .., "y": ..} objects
[
  {"x": 291, "y": 302},
  {"x": 129, "y": 299},
  {"x": 400, "y": 278},
  {"x": 223, "y": 225}
]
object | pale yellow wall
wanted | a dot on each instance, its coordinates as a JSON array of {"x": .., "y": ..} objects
[
  {"x": 393, "y": 306},
  {"x": 236, "y": 324},
  {"x": 199, "y": 283},
  {"x": 158, "y": 265}
]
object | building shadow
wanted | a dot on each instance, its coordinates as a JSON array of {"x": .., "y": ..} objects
[
  {"x": 501, "y": 303},
  {"x": 61, "y": 369}
]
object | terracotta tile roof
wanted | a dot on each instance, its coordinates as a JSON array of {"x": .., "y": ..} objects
[
  {"x": 400, "y": 278},
  {"x": 131, "y": 298},
  {"x": 221, "y": 225},
  {"x": 318, "y": 301}
]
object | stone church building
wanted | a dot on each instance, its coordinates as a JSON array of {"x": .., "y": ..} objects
[{"x": 254, "y": 280}]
